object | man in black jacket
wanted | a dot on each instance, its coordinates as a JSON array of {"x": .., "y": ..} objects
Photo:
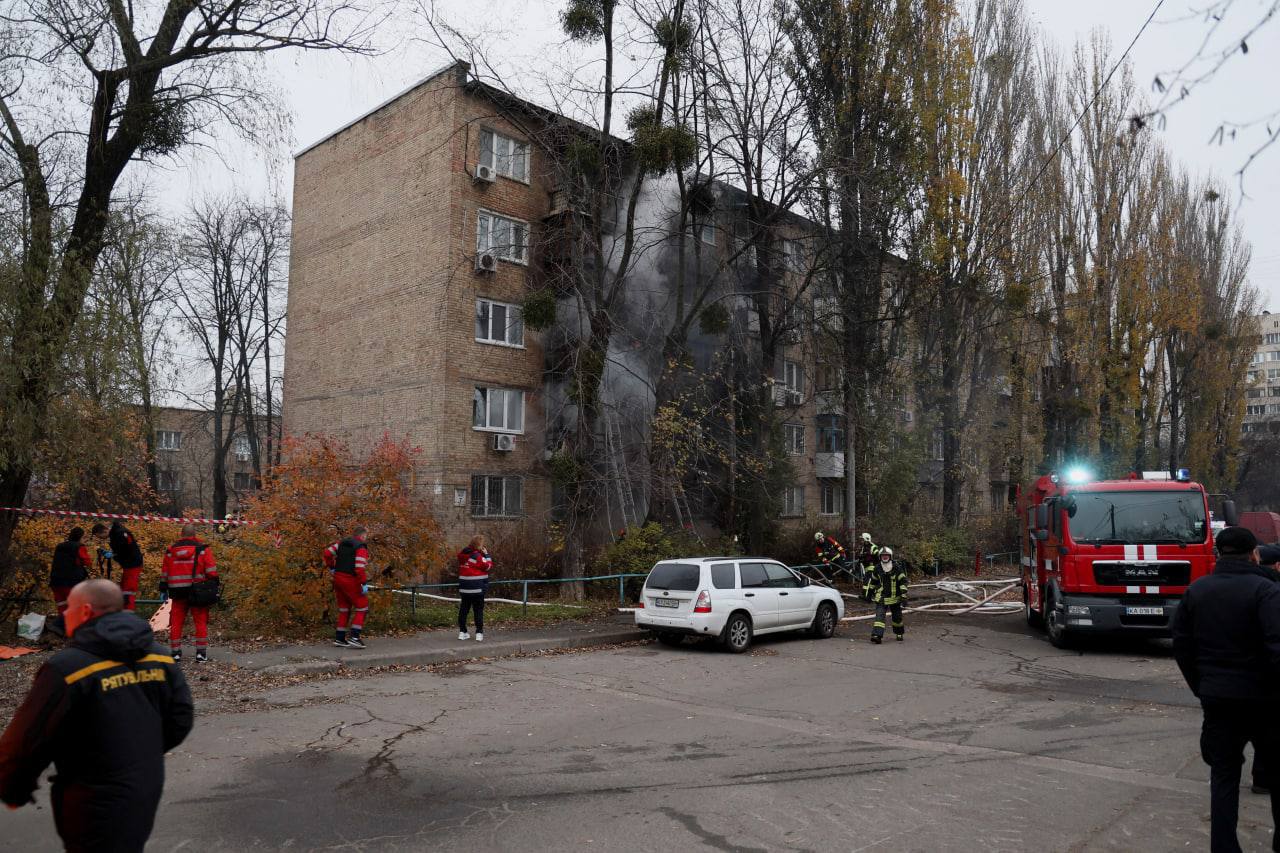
[
  {"x": 1226, "y": 639},
  {"x": 127, "y": 552},
  {"x": 104, "y": 711}
]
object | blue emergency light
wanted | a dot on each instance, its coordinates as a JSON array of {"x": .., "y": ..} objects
[
  {"x": 1078, "y": 474},
  {"x": 1184, "y": 475}
]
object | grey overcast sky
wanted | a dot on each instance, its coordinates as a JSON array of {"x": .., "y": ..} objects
[{"x": 324, "y": 91}]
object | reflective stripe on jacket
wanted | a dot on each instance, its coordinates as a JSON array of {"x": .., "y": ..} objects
[
  {"x": 887, "y": 586},
  {"x": 186, "y": 562}
]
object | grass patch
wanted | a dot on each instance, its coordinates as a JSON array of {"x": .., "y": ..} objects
[{"x": 443, "y": 614}]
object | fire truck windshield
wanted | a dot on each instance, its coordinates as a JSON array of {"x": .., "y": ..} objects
[{"x": 1137, "y": 518}]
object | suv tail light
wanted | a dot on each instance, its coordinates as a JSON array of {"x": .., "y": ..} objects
[
  {"x": 703, "y": 604},
  {"x": 639, "y": 605}
]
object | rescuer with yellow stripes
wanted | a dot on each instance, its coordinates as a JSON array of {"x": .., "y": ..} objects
[
  {"x": 104, "y": 711},
  {"x": 886, "y": 587}
]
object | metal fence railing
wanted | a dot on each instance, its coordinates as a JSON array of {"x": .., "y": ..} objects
[{"x": 415, "y": 590}]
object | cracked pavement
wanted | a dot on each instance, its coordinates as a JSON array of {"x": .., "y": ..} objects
[{"x": 975, "y": 734}]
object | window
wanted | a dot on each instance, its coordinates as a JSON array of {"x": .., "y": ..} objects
[
  {"x": 828, "y": 378},
  {"x": 240, "y": 447},
  {"x": 168, "y": 440},
  {"x": 496, "y": 497},
  {"x": 792, "y": 255},
  {"x": 1257, "y": 358},
  {"x": 935, "y": 446},
  {"x": 1274, "y": 355},
  {"x": 168, "y": 481},
  {"x": 706, "y": 231},
  {"x": 832, "y": 497},
  {"x": 1273, "y": 408},
  {"x": 793, "y": 377},
  {"x": 1254, "y": 393},
  {"x": 780, "y": 577},
  {"x": 793, "y": 501},
  {"x": 723, "y": 576},
  {"x": 498, "y": 410},
  {"x": 504, "y": 155},
  {"x": 753, "y": 575},
  {"x": 243, "y": 481},
  {"x": 1272, "y": 338},
  {"x": 504, "y": 237},
  {"x": 1273, "y": 373},
  {"x": 1273, "y": 391},
  {"x": 793, "y": 439},
  {"x": 499, "y": 323},
  {"x": 830, "y": 434},
  {"x": 1253, "y": 375},
  {"x": 1255, "y": 410}
]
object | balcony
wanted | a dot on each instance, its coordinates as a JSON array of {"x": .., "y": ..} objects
[
  {"x": 786, "y": 396},
  {"x": 829, "y": 465}
]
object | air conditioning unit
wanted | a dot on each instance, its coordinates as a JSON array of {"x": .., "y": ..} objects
[
  {"x": 504, "y": 442},
  {"x": 486, "y": 262},
  {"x": 794, "y": 398},
  {"x": 484, "y": 174}
]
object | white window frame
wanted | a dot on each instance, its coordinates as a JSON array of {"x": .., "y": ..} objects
[
  {"x": 1272, "y": 338},
  {"x": 514, "y": 252},
  {"x": 793, "y": 376},
  {"x": 1274, "y": 355},
  {"x": 831, "y": 497},
  {"x": 1273, "y": 408},
  {"x": 793, "y": 439},
  {"x": 168, "y": 439},
  {"x": 792, "y": 255},
  {"x": 1260, "y": 409},
  {"x": 481, "y": 485},
  {"x": 514, "y": 332},
  {"x": 705, "y": 229},
  {"x": 1257, "y": 358},
  {"x": 241, "y": 447},
  {"x": 1273, "y": 373},
  {"x": 502, "y": 153},
  {"x": 793, "y": 502},
  {"x": 485, "y": 396}
]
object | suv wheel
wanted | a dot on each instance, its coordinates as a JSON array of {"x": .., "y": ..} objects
[
  {"x": 668, "y": 638},
  {"x": 824, "y": 622},
  {"x": 737, "y": 633}
]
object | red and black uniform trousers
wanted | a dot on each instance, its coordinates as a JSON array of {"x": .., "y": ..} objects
[
  {"x": 127, "y": 552},
  {"x": 70, "y": 565},
  {"x": 187, "y": 561},
  {"x": 349, "y": 560}
]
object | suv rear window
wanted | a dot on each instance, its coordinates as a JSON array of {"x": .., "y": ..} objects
[
  {"x": 682, "y": 577},
  {"x": 723, "y": 576}
]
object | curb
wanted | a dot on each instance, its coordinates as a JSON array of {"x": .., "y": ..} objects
[{"x": 472, "y": 651}]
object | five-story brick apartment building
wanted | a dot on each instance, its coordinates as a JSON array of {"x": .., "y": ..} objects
[{"x": 417, "y": 234}]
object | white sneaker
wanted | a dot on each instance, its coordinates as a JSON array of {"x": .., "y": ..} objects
[
  {"x": 479, "y": 637},
  {"x": 463, "y": 635}
]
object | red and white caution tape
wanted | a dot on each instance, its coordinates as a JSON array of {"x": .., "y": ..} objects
[{"x": 71, "y": 513}]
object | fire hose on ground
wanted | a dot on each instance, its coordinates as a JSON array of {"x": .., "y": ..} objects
[{"x": 977, "y": 598}]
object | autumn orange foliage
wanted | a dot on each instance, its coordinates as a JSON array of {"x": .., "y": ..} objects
[{"x": 273, "y": 577}]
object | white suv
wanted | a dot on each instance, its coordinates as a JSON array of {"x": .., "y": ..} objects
[{"x": 733, "y": 599}]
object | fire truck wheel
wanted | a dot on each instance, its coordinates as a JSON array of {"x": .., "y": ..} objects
[
  {"x": 1055, "y": 624},
  {"x": 1033, "y": 617}
]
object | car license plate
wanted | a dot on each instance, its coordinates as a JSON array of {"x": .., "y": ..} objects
[
  {"x": 667, "y": 602},
  {"x": 1144, "y": 611}
]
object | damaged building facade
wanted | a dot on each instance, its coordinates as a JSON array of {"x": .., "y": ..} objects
[{"x": 423, "y": 228}]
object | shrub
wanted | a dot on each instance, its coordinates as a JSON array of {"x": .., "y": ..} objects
[
  {"x": 280, "y": 580},
  {"x": 641, "y": 547}
]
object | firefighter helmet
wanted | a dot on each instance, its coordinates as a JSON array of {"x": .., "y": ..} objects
[
  {"x": 818, "y": 536},
  {"x": 866, "y": 537}
]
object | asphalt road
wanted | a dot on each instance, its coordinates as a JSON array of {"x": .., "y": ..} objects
[{"x": 972, "y": 735}]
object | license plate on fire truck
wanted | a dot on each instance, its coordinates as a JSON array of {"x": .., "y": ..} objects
[{"x": 1144, "y": 611}]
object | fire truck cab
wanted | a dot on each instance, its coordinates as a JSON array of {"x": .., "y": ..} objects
[{"x": 1109, "y": 556}]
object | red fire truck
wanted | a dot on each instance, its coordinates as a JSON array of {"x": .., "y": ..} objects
[{"x": 1112, "y": 555}]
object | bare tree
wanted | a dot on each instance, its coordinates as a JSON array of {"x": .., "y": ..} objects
[{"x": 85, "y": 90}]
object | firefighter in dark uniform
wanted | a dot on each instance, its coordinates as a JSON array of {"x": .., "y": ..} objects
[
  {"x": 70, "y": 565},
  {"x": 104, "y": 711},
  {"x": 1226, "y": 639},
  {"x": 830, "y": 553},
  {"x": 886, "y": 587},
  {"x": 126, "y": 551},
  {"x": 867, "y": 553}
]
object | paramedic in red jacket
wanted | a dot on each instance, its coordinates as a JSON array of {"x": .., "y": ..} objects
[
  {"x": 349, "y": 562},
  {"x": 188, "y": 561},
  {"x": 126, "y": 551},
  {"x": 474, "y": 564}
]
